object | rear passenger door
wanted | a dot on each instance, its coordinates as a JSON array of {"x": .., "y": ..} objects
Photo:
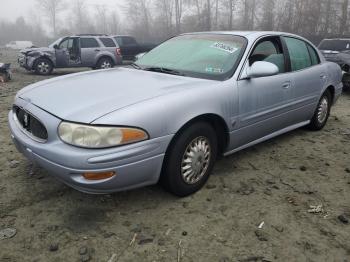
[
  {"x": 89, "y": 51},
  {"x": 308, "y": 76}
]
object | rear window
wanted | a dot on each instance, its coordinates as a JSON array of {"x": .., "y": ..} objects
[
  {"x": 108, "y": 42},
  {"x": 335, "y": 45},
  {"x": 88, "y": 43}
]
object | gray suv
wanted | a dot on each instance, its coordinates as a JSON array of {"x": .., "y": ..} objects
[{"x": 95, "y": 51}]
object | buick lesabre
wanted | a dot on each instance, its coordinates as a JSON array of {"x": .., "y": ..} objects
[{"x": 167, "y": 117}]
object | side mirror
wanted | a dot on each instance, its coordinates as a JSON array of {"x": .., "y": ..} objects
[
  {"x": 261, "y": 69},
  {"x": 55, "y": 47}
]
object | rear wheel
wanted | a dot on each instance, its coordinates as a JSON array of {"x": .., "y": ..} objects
[
  {"x": 322, "y": 112},
  {"x": 190, "y": 160},
  {"x": 104, "y": 63},
  {"x": 43, "y": 66}
]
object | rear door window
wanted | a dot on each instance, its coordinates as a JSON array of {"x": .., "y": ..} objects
[
  {"x": 108, "y": 42},
  {"x": 298, "y": 53},
  {"x": 88, "y": 43},
  {"x": 315, "y": 59}
]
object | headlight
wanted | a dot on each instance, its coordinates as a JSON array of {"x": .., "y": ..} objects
[{"x": 99, "y": 136}]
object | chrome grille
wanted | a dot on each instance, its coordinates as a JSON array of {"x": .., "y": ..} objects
[{"x": 30, "y": 125}]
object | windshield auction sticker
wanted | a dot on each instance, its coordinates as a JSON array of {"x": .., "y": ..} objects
[{"x": 224, "y": 47}]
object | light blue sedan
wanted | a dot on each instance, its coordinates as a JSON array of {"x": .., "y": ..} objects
[{"x": 168, "y": 116}]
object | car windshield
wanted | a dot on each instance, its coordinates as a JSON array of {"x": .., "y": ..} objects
[
  {"x": 56, "y": 42},
  {"x": 335, "y": 45},
  {"x": 208, "y": 56}
]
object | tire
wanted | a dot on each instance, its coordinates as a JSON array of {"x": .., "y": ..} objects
[
  {"x": 181, "y": 176},
  {"x": 322, "y": 112},
  {"x": 104, "y": 63},
  {"x": 43, "y": 66},
  {"x": 346, "y": 87}
]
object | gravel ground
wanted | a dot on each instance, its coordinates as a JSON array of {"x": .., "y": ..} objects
[{"x": 275, "y": 182}]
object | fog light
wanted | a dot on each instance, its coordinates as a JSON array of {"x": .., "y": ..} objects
[{"x": 98, "y": 176}]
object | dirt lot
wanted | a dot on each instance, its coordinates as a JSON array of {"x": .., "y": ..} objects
[{"x": 274, "y": 182}]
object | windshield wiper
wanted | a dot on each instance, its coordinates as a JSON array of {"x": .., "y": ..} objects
[
  {"x": 164, "y": 70},
  {"x": 134, "y": 65}
]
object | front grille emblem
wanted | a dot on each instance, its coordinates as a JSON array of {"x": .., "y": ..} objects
[{"x": 25, "y": 120}]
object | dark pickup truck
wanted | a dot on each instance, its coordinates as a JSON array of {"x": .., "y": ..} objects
[{"x": 130, "y": 47}]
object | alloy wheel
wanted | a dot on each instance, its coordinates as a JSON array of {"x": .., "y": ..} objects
[
  {"x": 44, "y": 67},
  {"x": 106, "y": 64}
]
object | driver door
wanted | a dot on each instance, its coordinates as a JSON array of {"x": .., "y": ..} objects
[
  {"x": 62, "y": 53},
  {"x": 264, "y": 102}
]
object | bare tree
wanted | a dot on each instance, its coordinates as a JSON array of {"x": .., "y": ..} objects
[
  {"x": 139, "y": 18},
  {"x": 51, "y": 9},
  {"x": 79, "y": 16},
  {"x": 178, "y": 15},
  {"x": 268, "y": 14},
  {"x": 114, "y": 23},
  {"x": 101, "y": 21},
  {"x": 344, "y": 17}
]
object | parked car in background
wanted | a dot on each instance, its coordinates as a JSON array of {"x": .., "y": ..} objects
[
  {"x": 338, "y": 51},
  {"x": 330, "y": 48},
  {"x": 168, "y": 116},
  {"x": 130, "y": 48},
  {"x": 95, "y": 51},
  {"x": 17, "y": 45}
]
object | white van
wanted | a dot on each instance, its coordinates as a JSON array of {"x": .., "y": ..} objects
[{"x": 19, "y": 44}]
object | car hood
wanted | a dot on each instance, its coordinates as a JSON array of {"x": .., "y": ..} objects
[
  {"x": 38, "y": 49},
  {"x": 85, "y": 97}
]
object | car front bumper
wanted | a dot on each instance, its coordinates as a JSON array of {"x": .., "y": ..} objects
[
  {"x": 135, "y": 165},
  {"x": 26, "y": 62}
]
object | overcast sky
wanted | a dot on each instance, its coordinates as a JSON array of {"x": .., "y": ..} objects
[{"x": 11, "y": 9}]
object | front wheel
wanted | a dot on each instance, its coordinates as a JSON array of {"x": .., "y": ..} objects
[
  {"x": 43, "y": 66},
  {"x": 322, "y": 112},
  {"x": 104, "y": 63},
  {"x": 190, "y": 160}
]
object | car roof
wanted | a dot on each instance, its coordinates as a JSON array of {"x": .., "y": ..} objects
[
  {"x": 341, "y": 39},
  {"x": 122, "y": 36},
  {"x": 253, "y": 34}
]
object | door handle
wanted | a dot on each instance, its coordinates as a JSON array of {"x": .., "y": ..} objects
[
  {"x": 97, "y": 50},
  {"x": 286, "y": 85},
  {"x": 323, "y": 76}
]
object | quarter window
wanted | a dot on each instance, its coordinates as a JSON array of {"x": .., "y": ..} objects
[
  {"x": 298, "y": 53},
  {"x": 108, "y": 42},
  {"x": 88, "y": 43}
]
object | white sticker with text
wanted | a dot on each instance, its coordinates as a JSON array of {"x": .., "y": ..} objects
[{"x": 224, "y": 47}]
